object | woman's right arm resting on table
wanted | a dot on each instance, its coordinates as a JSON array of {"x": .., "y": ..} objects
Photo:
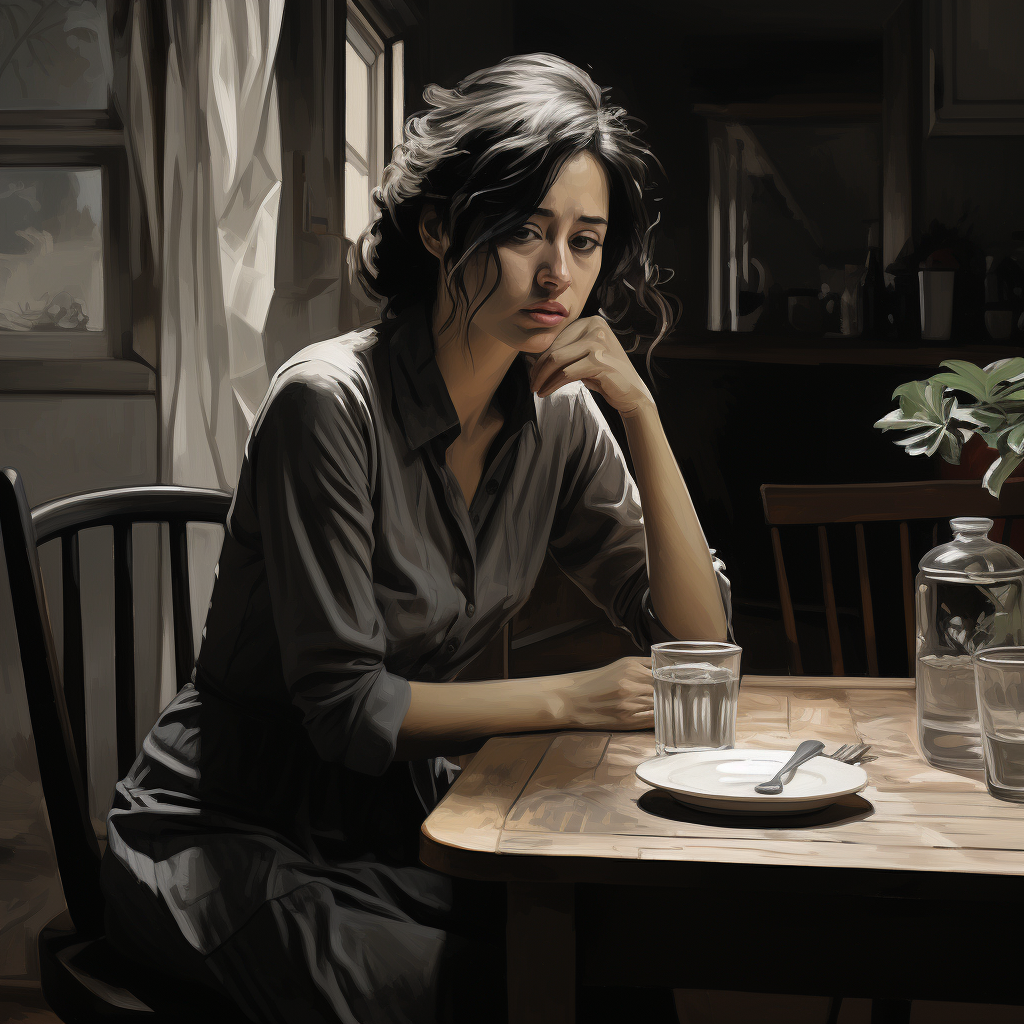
[{"x": 448, "y": 715}]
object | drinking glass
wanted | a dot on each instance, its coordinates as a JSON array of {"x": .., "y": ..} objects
[
  {"x": 999, "y": 678},
  {"x": 696, "y": 684}
]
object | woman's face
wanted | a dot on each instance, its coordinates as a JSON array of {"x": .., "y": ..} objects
[{"x": 550, "y": 264}]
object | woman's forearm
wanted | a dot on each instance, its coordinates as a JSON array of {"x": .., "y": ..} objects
[
  {"x": 684, "y": 587},
  {"x": 446, "y": 717}
]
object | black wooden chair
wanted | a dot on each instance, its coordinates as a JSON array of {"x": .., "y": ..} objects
[
  {"x": 927, "y": 503},
  {"x": 83, "y": 977}
]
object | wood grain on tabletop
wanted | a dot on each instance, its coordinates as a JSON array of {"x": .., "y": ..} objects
[{"x": 576, "y": 794}]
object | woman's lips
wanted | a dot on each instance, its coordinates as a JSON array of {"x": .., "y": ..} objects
[{"x": 543, "y": 316}]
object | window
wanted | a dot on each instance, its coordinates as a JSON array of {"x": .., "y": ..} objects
[
  {"x": 373, "y": 83},
  {"x": 62, "y": 177}
]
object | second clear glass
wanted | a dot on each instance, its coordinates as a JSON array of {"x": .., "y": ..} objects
[{"x": 999, "y": 676}]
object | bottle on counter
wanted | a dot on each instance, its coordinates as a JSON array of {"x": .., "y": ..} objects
[
  {"x": 850, "y": 303},
  {"x": 969, "y": 596},
  {"x": 874, "y": 295}
]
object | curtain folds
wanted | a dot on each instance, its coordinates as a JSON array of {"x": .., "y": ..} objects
[{"x": 221, "y": 190}]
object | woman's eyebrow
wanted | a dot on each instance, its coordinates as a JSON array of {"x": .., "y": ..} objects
[{"x": 589, "y": 220}]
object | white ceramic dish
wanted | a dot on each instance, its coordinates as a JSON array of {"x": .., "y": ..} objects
[{"x": 723, "y": 781}]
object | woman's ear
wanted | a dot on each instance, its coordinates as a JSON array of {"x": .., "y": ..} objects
[{"x": 430, "y": 231}]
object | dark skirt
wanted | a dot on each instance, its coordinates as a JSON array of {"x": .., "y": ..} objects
[{"x": 329, "y": 952}]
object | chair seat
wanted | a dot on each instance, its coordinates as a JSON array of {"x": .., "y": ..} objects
[{"x": 89, "y": 981}]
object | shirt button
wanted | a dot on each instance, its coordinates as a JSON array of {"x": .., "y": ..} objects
[
  {"x": 470, "y": 609},
  {"x": 492, "y": 486},
  {"x": 474, "y": 518},
  {"x": 453, "y": 645}
]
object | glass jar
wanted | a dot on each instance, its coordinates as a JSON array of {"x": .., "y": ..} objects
[{"x": 969, "y": 596}]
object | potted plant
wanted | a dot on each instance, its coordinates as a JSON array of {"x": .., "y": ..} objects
[{"x": 940, "y": 422}]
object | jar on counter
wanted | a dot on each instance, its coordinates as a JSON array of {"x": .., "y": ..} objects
[{"x": 969, "y": 596}]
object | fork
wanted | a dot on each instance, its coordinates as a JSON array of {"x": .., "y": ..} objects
[{"x": 852, "y": 753}]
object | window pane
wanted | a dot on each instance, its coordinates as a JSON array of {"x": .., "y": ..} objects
[
  {"x": 51, "y": 249},
  {"x": 54, "y": 55},
  {"x": 357, "y": 102},
  {"x": 357, "y": 201},
  {"x": 397, "y": 91}
]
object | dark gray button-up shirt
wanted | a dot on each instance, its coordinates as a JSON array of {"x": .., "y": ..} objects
[{"x": 352, "y": 563}]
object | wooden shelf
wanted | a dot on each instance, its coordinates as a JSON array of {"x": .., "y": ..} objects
[
  {"x": 828, "y": 351},
  {"x": 812, "y": 110}
]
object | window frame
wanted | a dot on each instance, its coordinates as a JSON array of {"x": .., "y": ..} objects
[
  {"x": 115, "y": 340},
  {"x": 78, "y": 139},
  {"x": 382, "y": 40}
]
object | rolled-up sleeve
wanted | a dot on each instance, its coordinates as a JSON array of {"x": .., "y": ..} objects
[
  {"x": 597, "y": 537},
  {"x": 313, "y": 454}
]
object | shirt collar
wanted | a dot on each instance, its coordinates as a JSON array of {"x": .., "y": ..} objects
[{"x": 424, "y": 406}]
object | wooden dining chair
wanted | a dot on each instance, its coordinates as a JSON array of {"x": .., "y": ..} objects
[
  {"x": 83, "y": 977},
  {"x": 824, "y": 505}
]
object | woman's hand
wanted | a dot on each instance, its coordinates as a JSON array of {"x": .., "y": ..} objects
[
  {"x": 588, "y": 350},
  {"x": 615, "y": 696}
]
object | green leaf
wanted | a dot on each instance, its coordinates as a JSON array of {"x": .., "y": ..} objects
[
  {"x": 924, "y": 443},
  {"x": 970, "y": 373},
  {"x": 950, "y": 447},
  {"x": 1015, "y": 439},
  {"x": 897, "y": 420},
  {"x": 982, "y": 384},
  {"x": 918, "y": 398},
  {"x": 959, "y": 383},
  {"x": 999, "y": 472},
  {"x": 983, "y": 419},
  {"x": 1007, "y": 369},
  {"x": 978, "y": 419}
]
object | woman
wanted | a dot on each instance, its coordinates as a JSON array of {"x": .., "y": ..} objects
[{"x": 400, "y": 488}]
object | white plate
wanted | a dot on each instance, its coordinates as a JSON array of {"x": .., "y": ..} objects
[{"x": 724, "y": 780}]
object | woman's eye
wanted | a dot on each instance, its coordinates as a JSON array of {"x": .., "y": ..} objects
[
  {"x": 523, "y": 234},
  {"x": 584, "y": 243}
]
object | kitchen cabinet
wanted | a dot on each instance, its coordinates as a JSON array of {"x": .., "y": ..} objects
[{"x": 974, "y": 77}]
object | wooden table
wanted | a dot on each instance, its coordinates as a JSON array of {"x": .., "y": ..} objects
[{"x": 612, "y": 882}]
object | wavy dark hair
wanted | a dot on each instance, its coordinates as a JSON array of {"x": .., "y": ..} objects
[{"x": 484, "y": 155}]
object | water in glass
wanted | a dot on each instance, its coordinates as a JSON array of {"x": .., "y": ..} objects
[{"x": 695, "y": 707}]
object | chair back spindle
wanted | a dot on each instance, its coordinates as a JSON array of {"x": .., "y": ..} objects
[
  {"x": 788, "y": 617},
  {"x": 184, "y": 652},
  {"x": 865, "y": 601},
  {"x": 832, "y": 617},
  {"x": 124, "y": 647},
  {"x": 74, "y": 661}
]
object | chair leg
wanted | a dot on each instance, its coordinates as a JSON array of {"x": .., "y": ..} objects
[
  {"x": 890, "y": 1011},
  {"x": 835, "y": 1004}
]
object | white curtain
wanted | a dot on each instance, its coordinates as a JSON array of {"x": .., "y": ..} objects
[{"x": 221, "y": 190}]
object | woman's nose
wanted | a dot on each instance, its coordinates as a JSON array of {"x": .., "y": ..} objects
[{"x": 554, "y": 271}]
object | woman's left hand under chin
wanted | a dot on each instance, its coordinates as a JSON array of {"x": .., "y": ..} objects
[{"x": 588, "y": 350}]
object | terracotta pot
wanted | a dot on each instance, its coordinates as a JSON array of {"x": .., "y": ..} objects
[{"x": 975, "y": 459}]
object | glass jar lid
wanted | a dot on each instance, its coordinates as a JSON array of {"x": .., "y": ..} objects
[{"x": 971, "y": 554}]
